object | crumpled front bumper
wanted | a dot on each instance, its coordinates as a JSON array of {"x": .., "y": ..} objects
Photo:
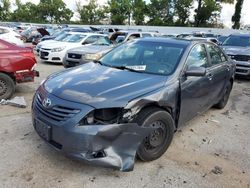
[
  {"x": 25, "y": 75},
  {"x": 113, "y": 145}
]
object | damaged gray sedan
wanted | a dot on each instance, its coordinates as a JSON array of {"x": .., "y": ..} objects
[{"x": 131, "y": 101}]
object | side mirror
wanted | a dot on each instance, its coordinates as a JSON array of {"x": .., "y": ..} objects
[
  {"x": 196, "y": 71},
  {"x": 84, "y": 43}
]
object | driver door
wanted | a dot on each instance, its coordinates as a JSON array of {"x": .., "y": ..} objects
[{"x": 195, "y": 90}]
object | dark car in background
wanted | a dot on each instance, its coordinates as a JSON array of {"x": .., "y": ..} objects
[
  {"x": 132, "y": 100},
  {"x": 237, "y": 46},
  {"x": 31, "y": 33},
  {"x": 85, "y": 54}
]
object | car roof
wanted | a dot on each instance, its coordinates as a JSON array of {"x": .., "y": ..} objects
[
  {"x": 241, "y": 34},
  {"x": 87, "y": 34},
  {"x": 7, "y": 28},
  {"x": 168, "y": 40}
]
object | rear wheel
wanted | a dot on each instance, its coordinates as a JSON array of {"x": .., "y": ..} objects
[
  {"x": 223, "y": 102},
  {"x": 7, "y": 86},
  {"x": 155, "y": 145}
]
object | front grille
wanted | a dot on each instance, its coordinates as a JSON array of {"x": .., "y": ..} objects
[
  {"x": 248, "y": 66},
  {"x": 241, "y": 57},
  {"x": 44, "y": 54},
  {"x": 57, "y": 113},
  {"x": 46, "y": 49},
  {"x": 74, "y": 56}
]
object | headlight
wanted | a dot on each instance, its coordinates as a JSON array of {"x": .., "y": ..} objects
[
  {"x": 92, "y": 56},
  {"x": 58, "y": 49},
  {"x": 102, "y": 117}
]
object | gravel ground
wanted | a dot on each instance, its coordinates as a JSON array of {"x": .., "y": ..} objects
[{"x": 212, "y": 150}]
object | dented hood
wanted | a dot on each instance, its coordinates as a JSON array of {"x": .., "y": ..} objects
[{"x": 100, "y": 86}]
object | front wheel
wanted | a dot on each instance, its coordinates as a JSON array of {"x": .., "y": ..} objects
[
  {"x": 155, "y": 144},
  {"x": 7, "y": 86},
  {"x": 223, "y": 102}
]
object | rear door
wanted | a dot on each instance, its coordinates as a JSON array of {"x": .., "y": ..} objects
[
  {"x": 195, "y": 91},
  {"x": 219, "y": 71}
]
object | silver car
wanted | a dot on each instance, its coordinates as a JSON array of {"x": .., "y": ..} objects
[
  {"x": 84, "y": 54},
  {"x": 237, "y": 46}
]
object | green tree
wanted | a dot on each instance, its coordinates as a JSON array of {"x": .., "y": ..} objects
[
  {"x": 205, "y": 5},
  {"x": 159, "y": 12},
  {"x": 4, "y": 10},
  {"x": 120, "y": 10},
  {"x": 237, "y": 14},
  {"x": 206, "y": 12},
  {"x": 182, "y": 11},
  {"x": 54, "y": 11},
  {"x": 139, "y": 10},
  {"x": 27, "y": 12},
  {"x": 90, "y": 13}
]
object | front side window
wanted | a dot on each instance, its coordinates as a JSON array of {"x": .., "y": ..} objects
[
  {"x": 197, "y": 57},
  {"x": 216, "y": 55},
  {"x": 145, "y": 56}
]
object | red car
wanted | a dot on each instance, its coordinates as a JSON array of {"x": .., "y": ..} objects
[{"x": 16, "y": 66}]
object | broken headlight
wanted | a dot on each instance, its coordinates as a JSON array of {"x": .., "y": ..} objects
[{"x": 103, "y": 117}]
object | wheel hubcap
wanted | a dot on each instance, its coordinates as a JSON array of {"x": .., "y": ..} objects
[
  {"x": 157, "y": 137},
  {"x": 3, "y": 87}
]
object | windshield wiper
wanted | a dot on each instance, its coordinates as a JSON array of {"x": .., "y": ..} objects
[{"x": 126, "y": 68}]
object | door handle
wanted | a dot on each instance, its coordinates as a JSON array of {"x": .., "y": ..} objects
[{"x": 210, "y": 76}]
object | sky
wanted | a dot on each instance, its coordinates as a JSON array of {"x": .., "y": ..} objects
[{"x": 226, "y": 13}]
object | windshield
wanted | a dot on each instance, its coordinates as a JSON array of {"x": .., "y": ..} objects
[
  {"x": 74, "y": 38},
  {"x": 242, "y": 41},
  {"x": 103, "y": 41},
  {"x": 145, "y": 56},
  {"x": 62, "y": 36}
]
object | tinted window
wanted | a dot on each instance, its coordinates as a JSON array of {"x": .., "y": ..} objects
[
  {"x": 237, "y": 41},
  {"x": 197, "y": 57},
  {"x": 144, "y": 56},
  {"x": 215, "y": 54}
]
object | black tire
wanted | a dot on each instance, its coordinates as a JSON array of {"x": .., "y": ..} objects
[
  {"x": 7, "y": 86},
  {"x": 155, "y": 145},
  {"x": 223, "y": 102}
]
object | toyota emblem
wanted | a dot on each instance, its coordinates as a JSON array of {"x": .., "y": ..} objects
[{"x": 46, "y": 102}]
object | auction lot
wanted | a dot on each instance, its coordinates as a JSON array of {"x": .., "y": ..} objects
[{"x": 212, "y": 150}]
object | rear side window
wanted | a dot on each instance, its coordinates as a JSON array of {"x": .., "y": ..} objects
[
  {"x": 216, "y": 54},
  {"x": 146, "y": 35},
  {"x": 133, "y": 36},
  {"x": 3, "y": 31},
  {"x": 197, "y": 57}
]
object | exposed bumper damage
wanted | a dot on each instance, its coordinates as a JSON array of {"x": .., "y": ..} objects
[{"x": 114, "y": 146}]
